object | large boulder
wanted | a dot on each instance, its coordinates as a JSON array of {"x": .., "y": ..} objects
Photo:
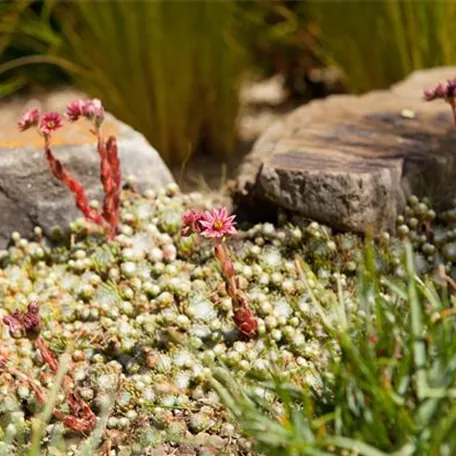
[
  {"x": 30, "y": 196},
  {"x": 351, "y": 161}
]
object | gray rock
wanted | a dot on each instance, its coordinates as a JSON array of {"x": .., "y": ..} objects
[
  {"x": 31, "y": 196},
  {"x": 351, "y": 161}
]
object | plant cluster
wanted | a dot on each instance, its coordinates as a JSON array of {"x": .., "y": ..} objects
[
  {"x": 218, "y": 225},
  {"x": 146, "y": 316},
  {"x": 331, "y": 347},
  {"x": 392, "y": 388},
  {"x": 29, "y": 324},
  {"x": 110, "y": 174}
]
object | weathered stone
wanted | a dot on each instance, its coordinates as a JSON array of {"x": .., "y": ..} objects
[
  {"x": 31, "y": 196},
  {"x": 351, "y": 161}
]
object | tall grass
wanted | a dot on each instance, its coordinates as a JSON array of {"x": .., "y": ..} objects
[
  {"x": 393, "y": 391},
  {"x": 377, "y": 43},
  {"x": 27, "y": 35},
  {"x": 170, "y": 69}
]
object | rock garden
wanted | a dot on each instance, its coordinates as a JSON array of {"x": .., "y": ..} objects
[{"x": 309, "y": 310}]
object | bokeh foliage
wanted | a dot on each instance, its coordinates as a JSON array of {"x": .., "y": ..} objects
[
  {"x": 378, "y": 43},
  {"x": 172, "y": 69}
]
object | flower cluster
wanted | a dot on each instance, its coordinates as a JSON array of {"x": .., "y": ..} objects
[
  {"x": 25, "y": 324},
  {"x": 90, "y": 109},
  {"x": 215, "y": 224},
  {"x": 110, "y": 174},
  {"x": 443, "y": 90},
  {"x": 51, "y": 121}
]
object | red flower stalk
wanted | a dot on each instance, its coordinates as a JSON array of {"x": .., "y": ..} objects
[
  {"x": 75, "y": 187},
  {"x": 51, "y": 122},
  {"x": 28, "y": 324},
  {"x": 81, "y": 419},
  {"x": 112, "y": 185},
  {"x": 227, "y": 268},
  {"x": 245, "y": 321},
  {"x": 110, "y": 174},
  {"x": 218, "y": 225}
]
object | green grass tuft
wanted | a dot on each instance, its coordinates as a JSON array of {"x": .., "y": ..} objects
[
  {"x": 392, "y": 388},
  {"x": 378, "y": 43}
]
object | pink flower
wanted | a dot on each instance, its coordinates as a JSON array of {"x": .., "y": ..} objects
[
  {"x": 75, "y": 110},
  {"x": 94, "y": 111},
  {"x": 50, "y": 122},
  {"x": 443, "y": 90},
  {"x": 191, "y": 220},
  {"x": 29, "y": 119},
  {"x": 217, "y": 223}
]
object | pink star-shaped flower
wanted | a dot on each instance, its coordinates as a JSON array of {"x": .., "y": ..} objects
[
  {"x": 29, "y": 119},
  {"x": 217, "y": 223},
  {"x": 191, "y": 220},
  {"x": 51, "y": 121},
  {"x": 75, "y": 110}
]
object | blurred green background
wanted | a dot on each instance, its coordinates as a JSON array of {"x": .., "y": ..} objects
[{"x": 173, "y": 69}]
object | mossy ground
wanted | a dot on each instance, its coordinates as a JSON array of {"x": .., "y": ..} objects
[{"x": 147, "y": 317}]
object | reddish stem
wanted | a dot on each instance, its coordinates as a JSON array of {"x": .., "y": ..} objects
[
  {"x": 75, "y": 187},
  {"x": 48, "y": 357},
  {"x": 227, "y": 268},
  {"x": 81, "y": 418},
  {"x": 244, "y": 319},
  {"x": 107, "y": 181},
  {"x": 51, "y": 360},
  {"x": 111, "y": 203},
  {"x": 105, "y": 167}
]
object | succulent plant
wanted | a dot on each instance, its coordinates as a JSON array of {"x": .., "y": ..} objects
[{"x": 148, "y": 317}]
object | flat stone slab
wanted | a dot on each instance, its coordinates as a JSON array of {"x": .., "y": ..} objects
[
  {"x": 30, "y": 196},
  {"x": 351, "y": 161}
]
